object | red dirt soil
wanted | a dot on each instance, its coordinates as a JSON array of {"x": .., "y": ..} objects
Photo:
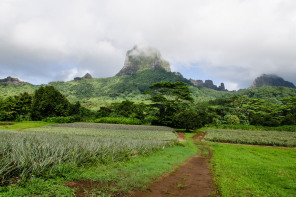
[{"x": 181, "y": 137}]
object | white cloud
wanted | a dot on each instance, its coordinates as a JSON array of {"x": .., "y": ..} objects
[{"x": 233, "y": 40}]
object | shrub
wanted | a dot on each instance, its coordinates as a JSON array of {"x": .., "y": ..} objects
[
  {"x": 232, "y": 119},
  {"x": 119, "y": 120},
  {"x": 68, "y": 119}
]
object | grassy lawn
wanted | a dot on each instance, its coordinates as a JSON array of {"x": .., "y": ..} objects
[
  {"x": 41, "y": 163},
  {"x": 254, "y": 171},
  {"x": 270, "y": 138},
  {"x": 23, "y": 125}
]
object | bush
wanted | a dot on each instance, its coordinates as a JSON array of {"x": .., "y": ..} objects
[
  {"x": 232, "y": 119},
  {"x": 187, "y": 120},
  {"x": 68, "y": 119},
  {"x": 119, "y": 120}
]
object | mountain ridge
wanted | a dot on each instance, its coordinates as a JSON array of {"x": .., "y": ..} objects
[{"x": 271, "y": 80}]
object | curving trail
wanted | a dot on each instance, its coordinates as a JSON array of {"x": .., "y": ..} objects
[{"x": 192, "y": 179}]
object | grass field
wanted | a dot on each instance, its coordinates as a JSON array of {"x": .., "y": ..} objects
[
  {"x": 270, "y": 138},
  {"x": 41, "y": 160},
  {"x": 254, "y": 171}
]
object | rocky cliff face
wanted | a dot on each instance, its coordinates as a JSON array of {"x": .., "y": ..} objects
[
  {"x": 271, "y": 80},
  {"x": 10, "y": 80},
  {"x": 208, "y": 84},
  {"x": 142, "y": 58},
  {"x": 86, "y": 76}
]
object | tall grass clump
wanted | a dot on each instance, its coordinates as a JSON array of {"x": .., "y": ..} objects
[{"x": 23, "y": 155}]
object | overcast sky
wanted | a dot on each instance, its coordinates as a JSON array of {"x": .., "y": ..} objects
[{"x": 230, "y": 41}]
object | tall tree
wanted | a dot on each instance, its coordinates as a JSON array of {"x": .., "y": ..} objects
[
  {"x": 49, "y": 102},
  {"x": 169, "y": 98}
]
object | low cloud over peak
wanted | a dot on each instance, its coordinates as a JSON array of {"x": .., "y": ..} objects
[{"x": 233, "y": 41}]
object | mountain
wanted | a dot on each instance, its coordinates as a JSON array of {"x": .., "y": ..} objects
[
  {"x": 271, "y": 80},
  {"x": 208, "y": 84},
  {"x": 142, "y": 68},
  {"x": 86, "y": 76},
  {"x": 11, "y": 80},
  {"x": 143, "y": 58}
]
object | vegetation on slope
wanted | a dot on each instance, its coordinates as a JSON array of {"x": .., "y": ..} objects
[
  {"x": 272, "y": 94},
  {"x": 97, "y": 92}
]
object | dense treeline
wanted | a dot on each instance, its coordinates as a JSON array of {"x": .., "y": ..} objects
[
  {"x": 169, "y": 104},
  {"x": 45, "y": 102},
  {"x": 250, "y": 111}
]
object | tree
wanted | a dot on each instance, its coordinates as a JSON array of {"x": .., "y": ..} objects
[
  {"x": 49, "y": 102},
  {"x": 23, "y": 104},
  {"x": 129, "y": 109},
  {"x": 187, "y": 120},
  {"x": 170, "y": 99}
]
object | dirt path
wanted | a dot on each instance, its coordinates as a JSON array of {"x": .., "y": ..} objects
[
  {"x": 193, "y": 178},
  {"x": 181, "y": 137}
]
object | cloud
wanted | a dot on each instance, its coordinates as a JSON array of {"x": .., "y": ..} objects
[{"x": 233, "y": 40}]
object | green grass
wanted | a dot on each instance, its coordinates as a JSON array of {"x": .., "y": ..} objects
[
  {"x": 254, "y": 171},
  {"x": 125, "y": 176},
  {"x": 23, "y": 125},
  {"x": 270, "y": 138}
]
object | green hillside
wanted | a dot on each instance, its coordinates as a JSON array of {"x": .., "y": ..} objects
[
  {"x": 270, "y": 93},
  {"x": 96, "y": 92},
  {"x": 7, "y": 90}
]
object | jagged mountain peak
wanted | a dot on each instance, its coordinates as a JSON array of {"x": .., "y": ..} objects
[
  {"x": 143, "y": 58},
  {"x": 86, "y": 76},
  {"x": 271, "y": 80},
  {"x": 11, "y": 80},
  {"x": 208, "y": 84}
]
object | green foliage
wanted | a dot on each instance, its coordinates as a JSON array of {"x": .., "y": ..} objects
[
  {"x": 127, "y": 109},
  {"x": 232, "y": 119},
  {"x": 187, "y": 120},
  {"x": 251, "y": 111},
  {"x": 272, "y": 138},
  {"x": 119, "y": 120},
  {"x": 16, "y": 107},
  {"x": 94, "y": 93},
  {"x": 269, "y": 93},
  {"x": 169, "y": 99},
  {"x": 49, "y": 102}
]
